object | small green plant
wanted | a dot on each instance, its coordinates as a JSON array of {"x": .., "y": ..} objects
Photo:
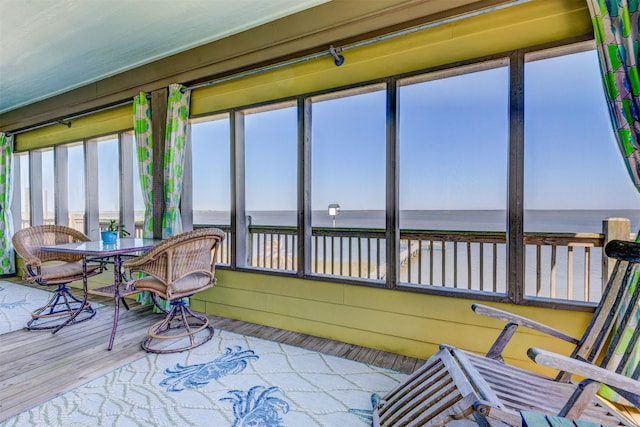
[{"x": 118, "y": 228}]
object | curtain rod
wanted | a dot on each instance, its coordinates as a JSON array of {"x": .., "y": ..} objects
[
  {"x": 66, "y": 121},
  {"x": 339, "y": 59},
  {"x": 332, "y": 51}
]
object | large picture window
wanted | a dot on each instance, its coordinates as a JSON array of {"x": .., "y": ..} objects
[
  {"x": 574, "y": 176},
  {"x": 75, "y": 185},
  {"x": 414, "y": 173},
  {"x": 108, "y": 179},
  {"x": 211, "y": 186},
  {"x": 22, "y": 191},
  {"x": 453, "y": 176},
  {"x": 348, "y": 182},
  {"x": 271, "y": 141}
]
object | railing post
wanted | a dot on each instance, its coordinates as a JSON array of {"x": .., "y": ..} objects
[
  {"x": 249, "y": 243},
  {"x": 613, "y": 229}
]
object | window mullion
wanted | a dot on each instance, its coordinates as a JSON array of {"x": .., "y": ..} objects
[
  {"x": 392, "y": 183},
  {"x": 239, "y": 224},
  {"x": 304, "y": 187},
  {"x": 35, "y": 183},
  {"x": 92, "y": 205},
  {"x": 515, "y": 184},
  {"x": 61, "y": 189}
]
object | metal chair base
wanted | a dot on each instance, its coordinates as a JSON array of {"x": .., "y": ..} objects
[
  {"x": 62, "y": 307},
  {"x": 180, "y": 324}
]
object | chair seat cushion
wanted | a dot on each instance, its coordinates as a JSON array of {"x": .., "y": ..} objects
[
  {"x": 65, "y": 272},
  {"x": 183, "y": 287}
]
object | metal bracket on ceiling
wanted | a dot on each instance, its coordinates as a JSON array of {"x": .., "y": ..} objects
[{"x": 337, "y": 59}]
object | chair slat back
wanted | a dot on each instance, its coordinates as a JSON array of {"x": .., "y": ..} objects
[{"x": 612, "y": 337}]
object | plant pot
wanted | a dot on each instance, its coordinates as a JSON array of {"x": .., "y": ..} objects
[{"x": 109, "y": 237}]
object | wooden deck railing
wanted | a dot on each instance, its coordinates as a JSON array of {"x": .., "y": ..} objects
[{"x": 557, "y": 265}]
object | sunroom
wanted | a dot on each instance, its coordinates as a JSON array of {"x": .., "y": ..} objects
[{"x": 377, "y": 167}]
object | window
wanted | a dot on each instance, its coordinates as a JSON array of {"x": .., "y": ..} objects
[
  {"x": 348, "y": 151},
  {"x": 574, "y": 175},
  {"x": 211, "y": 159},
  {"x": 453, "y": 176},
  {"x": 47, "y": 182},
  {"x": 108, "y": 179},
  {"x": 75, "y": 189},
  {"x": 271, "y": 142},
  {"x": 21, "y": 192},
  {"x": 453, "y": 134}
]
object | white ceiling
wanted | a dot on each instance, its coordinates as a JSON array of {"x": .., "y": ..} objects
[{"x": 48, "y": 47}]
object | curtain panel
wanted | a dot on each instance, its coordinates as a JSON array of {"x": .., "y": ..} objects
[
  {"x": 176, "y": 131},
  {"x": 144, "y": 152},
  {"x": 7, "y": 256},
  {"x": 144, "y": 155},
  {"x": 615, "y": 24}
]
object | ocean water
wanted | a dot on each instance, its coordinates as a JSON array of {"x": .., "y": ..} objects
[{"x": 569, "y": 221}]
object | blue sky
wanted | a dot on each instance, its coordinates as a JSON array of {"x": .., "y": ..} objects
[{"x": 453, "y": 147}]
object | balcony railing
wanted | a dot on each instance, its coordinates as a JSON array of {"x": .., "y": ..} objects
[{"x": 557, "y": 265}]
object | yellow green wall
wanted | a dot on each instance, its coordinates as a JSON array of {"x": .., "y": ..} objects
[
  {"x": 401, "y": 322},
  {"x": 103, "y": 123},
  {"x": 535, "y": 23}
]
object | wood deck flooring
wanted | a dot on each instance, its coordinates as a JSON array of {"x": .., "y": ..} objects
[{"x": 38, "y": 366}]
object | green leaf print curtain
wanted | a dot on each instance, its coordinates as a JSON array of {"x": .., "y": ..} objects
[
  {"x": 144, "y": 151},
  {"x": 177, "y": 120},
  {"x": 615, "y": 24},
  {"x": 7, "y": 258},
  {"x": 144, "y": 154}
]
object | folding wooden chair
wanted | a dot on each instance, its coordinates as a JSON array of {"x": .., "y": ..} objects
[{"x": 457, "y": 385}]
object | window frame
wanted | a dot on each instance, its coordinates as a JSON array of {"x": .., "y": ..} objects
[{"x": 303, "y": 102}]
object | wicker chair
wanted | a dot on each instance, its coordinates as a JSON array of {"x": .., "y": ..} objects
[
  {"x": 55, "y": 269},
  {"x": 176, "y": 268}
]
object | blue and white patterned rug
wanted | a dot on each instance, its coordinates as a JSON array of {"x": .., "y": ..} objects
[
  {"x": 233, "y": 380},
  {"x": 18, "y": 301}
]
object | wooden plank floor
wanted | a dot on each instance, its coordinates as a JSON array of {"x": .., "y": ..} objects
[{"x": 38, "y": 366}]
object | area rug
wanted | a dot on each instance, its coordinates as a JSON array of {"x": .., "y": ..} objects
[
  {"x": 18, "y": 301},
  {"x": 233, "y": 380}
]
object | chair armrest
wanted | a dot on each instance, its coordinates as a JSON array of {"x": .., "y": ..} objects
[
  {"x": 584, "y": 369},
  {"x": 134, "y": 262},
  {"x": 522, "y": 321},
  {"x": 513, "y": 322}
]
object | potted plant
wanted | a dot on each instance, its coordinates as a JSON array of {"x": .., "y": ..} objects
[{"x": 112, "y": 232}]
